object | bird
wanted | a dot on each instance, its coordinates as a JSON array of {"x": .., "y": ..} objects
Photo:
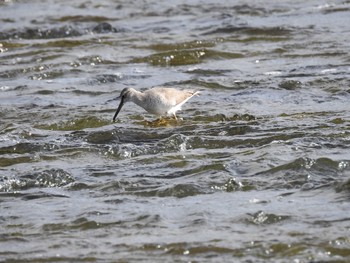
[{"x": 161, "y": 101}]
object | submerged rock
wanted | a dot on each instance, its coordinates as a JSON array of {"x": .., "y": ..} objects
[{"x": 104, "y": 27}]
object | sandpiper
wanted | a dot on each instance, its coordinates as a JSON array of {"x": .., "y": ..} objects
[{"x": 159, "y": 101}]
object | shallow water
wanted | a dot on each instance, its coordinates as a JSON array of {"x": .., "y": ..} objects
[{"x": 256, "y": 170}]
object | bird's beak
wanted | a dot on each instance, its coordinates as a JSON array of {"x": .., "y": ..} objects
[{"x": 119, "y": 107}]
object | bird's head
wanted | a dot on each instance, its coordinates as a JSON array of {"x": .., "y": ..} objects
[{"x": 124, "y": 97}]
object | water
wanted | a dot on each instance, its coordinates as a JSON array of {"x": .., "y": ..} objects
[{"x": 257, "y": 170}]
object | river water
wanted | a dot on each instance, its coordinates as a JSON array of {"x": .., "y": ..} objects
[{"x": 257, "y": 169}]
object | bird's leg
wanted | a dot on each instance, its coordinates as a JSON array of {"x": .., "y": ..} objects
[{"x": 175, "y": 116}]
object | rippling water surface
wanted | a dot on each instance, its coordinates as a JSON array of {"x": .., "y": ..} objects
[{"x": 256, "y": 170}]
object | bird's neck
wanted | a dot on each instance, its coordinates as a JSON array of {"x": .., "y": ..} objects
[{"x": 137, "y": 97}]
